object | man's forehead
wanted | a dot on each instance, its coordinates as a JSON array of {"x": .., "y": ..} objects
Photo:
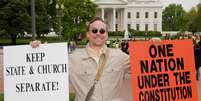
[{"x": 98, "y": 23}]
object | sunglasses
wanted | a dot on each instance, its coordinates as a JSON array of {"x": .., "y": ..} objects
[{"x": 101, "y": 31}]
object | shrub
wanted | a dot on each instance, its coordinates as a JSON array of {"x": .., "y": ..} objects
[
  {"x": 145, "y": 33},
  {"x": 116, "y": 33}
]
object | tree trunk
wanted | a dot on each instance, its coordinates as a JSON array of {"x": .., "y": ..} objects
[{"x": 13, "y": 38}]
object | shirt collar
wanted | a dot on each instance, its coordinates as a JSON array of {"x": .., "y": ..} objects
[{"x": 89, "y": 52}]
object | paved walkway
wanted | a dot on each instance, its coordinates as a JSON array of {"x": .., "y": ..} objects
[{"x": 125, "y": 91}]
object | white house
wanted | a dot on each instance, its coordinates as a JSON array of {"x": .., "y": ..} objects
[{"x": 120, "y": 15}]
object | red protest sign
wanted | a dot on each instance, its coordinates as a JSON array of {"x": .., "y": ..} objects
[{"x": 163, "y": 71}]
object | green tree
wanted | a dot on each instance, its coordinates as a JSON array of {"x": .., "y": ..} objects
[
  {"x": 76, "y": 14},
  {"x": 197, "y": 20},
  {"x": 190, "y": 18},
  {"x": 43, "y": 16},
  {"x": 14, "y": 18},
  {"x": 173, "y": 18},
  {"x": 193, "y": 17}
]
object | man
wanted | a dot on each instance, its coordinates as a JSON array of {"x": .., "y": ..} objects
[
  {"x": 83, "y": 67},
  {"x": 85, "y": 64}
]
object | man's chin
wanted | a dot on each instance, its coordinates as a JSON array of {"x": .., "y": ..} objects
[{"x": 100, "y": 44}]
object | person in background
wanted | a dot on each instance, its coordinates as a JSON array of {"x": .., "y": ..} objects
[
  {"x": 197, "y": 54},
  {"x": 124, "y": 46}
]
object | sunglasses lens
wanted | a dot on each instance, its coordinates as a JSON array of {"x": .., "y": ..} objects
[
  {"x": 102, "y": 31},
  {"x": 94, "y": 31}
]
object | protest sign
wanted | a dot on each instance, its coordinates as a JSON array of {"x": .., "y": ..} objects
[
  {"x": 163, "y": 71},
  {"x": 36, "y": 74}
]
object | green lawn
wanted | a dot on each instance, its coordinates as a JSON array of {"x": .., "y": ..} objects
[
  {"x": 72, "y": 96},
  {"x": 1, "y": 97}
]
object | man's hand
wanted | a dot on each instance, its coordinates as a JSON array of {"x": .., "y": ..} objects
[
  {"x": 155, "y": 40},
  {"x": 35, "y": 43}
]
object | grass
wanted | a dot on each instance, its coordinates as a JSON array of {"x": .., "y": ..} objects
[
  {"x": 1, "y": 97},
  {"x": 71, "y": 97}
]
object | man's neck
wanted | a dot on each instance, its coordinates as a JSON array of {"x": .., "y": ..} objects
[{"x": 96, "y": 48}]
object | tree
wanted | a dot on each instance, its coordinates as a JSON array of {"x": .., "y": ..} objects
[
  {"x": 190, "y": 18},
  {"x": 194, "y": 22},
  {"x": 42, "y": 17},
  {"x": 76, "y": 14},
  {"x": 197, "y": 20},
  {"x": 173, "y": 18},
  {"x": 14, "y": 17}
]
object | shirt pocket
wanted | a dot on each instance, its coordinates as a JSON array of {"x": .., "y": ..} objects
[
  {"x": 84, "y": 76},
  {"x": 113, "y": 74},
  {"x": 84, "y": 73}
]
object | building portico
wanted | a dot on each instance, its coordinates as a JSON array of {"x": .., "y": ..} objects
[
  {"x": 121, "y": 15},
  {"x": 114, "y": 13}
]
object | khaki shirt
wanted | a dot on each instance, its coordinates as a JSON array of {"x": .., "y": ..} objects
[
  {"x": 83, "y": 70},
  {"x": 92, "y": 53}
]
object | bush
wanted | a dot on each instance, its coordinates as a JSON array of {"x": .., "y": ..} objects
[
  {"x": 117, "y": 33},
  {"x": 82, "y": 42},
  {"x": 136, "y": 33},
  {"x": 145, "y": 33}
]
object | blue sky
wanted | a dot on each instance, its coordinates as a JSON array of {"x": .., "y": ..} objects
[{"x": 187, "y": 4}]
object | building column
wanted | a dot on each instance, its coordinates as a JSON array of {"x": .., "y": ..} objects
[
  {"x": 122, "y": 20},
  {"x": 125, "y": 20},
  {"x": 114, "y": 20},
  {"x": 103, "y": 13}
]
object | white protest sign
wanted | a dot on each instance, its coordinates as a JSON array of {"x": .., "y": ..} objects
[{"x": 36, "y": 74}]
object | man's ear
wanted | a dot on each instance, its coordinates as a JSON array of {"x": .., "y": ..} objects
[{"x": 87, "y": 35}]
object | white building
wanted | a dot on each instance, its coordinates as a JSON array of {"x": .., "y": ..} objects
[{"x": 120, "y": 15}]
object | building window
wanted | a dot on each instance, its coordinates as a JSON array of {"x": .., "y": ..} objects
[
  {"x": 155, "y": 14},
  {"x": 116, "y": 27},
  {"x": 137, "y": 14},
  {"x": 129, "y": 26},
  {"x": 129, "y": 14},
  {"x": 116, "y": 15},
  {"x": 155, "y": 27},
  {"x": 146, "y": 27},
  {"x": 146, "y": 14},
  {"x": 137, "y": 27}
]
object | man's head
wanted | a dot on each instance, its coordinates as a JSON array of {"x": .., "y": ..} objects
[{"x": 97, "y": 32}]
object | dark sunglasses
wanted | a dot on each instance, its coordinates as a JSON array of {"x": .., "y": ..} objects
[{"x": 101, "y": 31}]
